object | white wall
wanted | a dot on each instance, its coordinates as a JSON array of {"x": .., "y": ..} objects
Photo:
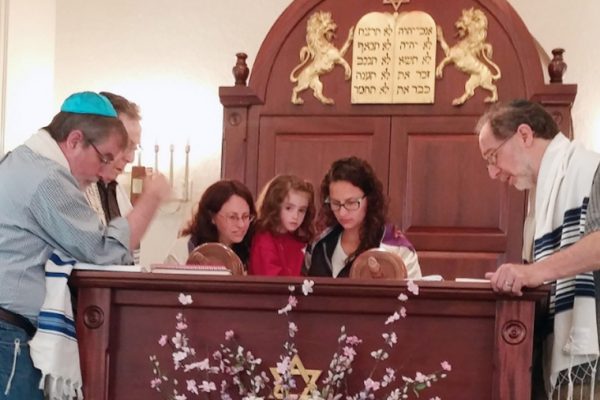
[
  {"x": 29, "y": 89},
  {"x": 574, "y": 27},
  {"x": 171, "y": 57}
]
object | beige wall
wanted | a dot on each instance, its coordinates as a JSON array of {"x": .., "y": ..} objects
[
  {"x": 29, "y": 86},
  {"x": 573, "y": 26},
  {"x": 171, "y": 56}
]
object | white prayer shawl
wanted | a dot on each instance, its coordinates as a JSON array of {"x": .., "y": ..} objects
[
  {"x": 92, "y": 196},
  {"x": 54, "y": 348},
  {"x": 563, "y": 190}
]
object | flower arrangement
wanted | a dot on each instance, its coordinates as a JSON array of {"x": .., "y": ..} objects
[{"x": 241, "y": 373}]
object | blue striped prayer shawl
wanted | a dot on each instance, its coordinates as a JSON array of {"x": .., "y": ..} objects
[
  {"x": 561, "y": 202},
  {"x": 54, "y": 347},
  {"x": 560, "y": 238}
]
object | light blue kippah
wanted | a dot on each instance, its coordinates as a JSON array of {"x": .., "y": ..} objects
[{"x": 88, "y": 103}]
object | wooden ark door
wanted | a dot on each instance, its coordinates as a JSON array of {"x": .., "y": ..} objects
[
  {"x": 460, "y": 221},
  {"x": 306, "y": 146}
]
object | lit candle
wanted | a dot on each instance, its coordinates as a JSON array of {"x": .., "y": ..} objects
[
  {"x": 186, "y": 172},
  {"x": 156, "y": 157},
  {"x": 171, "y": 150}
]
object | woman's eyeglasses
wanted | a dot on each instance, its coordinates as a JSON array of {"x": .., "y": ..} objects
[
  {"x": 349, "y": 205},
  {"x": 233, "y": 219}
]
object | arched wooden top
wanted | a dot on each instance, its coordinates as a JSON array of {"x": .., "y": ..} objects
[{"x": 513, "y": 45}]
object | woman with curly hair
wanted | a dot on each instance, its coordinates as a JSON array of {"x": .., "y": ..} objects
[
  {"x": 286, "y": 209},
  {"x": 225, "y": 213},
  {"x": 354, "y": 217}
]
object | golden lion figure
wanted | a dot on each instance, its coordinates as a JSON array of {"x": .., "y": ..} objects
[
  {"x": 468, "y": 53},
  {"x": 319, "y": 56}
]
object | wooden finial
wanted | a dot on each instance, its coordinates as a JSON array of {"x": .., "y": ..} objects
[
  {"x": 241, "y": 70},
  {"x": 557, "y": 67}
]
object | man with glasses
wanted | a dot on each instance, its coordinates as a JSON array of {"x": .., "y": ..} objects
[
  {"x": 43, "y": 209},
  {"x": 106, "y": 196},
  {"x": 523, "y": 146}
]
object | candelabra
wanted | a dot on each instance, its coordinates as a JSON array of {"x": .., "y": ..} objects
[{"x": 138, "y": 173}]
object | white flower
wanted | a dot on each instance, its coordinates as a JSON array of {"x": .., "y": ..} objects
[
  {"x": 392, "y": 318},
  {"x": 181, "y": 326},
  {"x": 307, "y": 286},
  {"x": 207, "y": 387},
  {"x": 163, "y": 340},
  {"x": 390, "y": 339},
  {"x": 191, "y": 386},
  {"x": 446, "y": 366},
  {"x": 370, "y": 384},
  {"x": 285, "y": 310},
  {"x": 201, "y": 366},
  {"x": 413, "y": 288},
  {"x": 402, "y": 297},
  {"x": 229, "y": 335},
  {"x": 177, "y": 340},
  {"x": 179, "y": 356},
  {"x": 292, "y": 329},
  {"x": 154, "y": 383},
  {"x": 185, "y": 299}
]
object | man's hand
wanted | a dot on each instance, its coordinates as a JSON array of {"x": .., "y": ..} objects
[
  {"x": 511, "y": 278},
  {"x": 156, "y": 186}
]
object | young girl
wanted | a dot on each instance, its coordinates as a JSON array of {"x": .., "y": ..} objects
[
  {"x": 283, "y": 228},
  {"x": 354, "y": 216}
]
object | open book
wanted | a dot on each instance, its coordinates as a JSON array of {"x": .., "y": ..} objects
[
  {"x": 159, "y": 268},
  {"x": 189, "y": 269}
]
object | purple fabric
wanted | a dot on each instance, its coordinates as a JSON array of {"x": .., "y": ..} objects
[{"x": 395, "y": 237}]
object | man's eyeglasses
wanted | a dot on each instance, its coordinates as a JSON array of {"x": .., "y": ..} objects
[
  {"x": 492, "y": 157},
  {"x": 349, "y": 205},
  {"x": 104, "y": 158},
  {"x": 132, "y": 146},
  {"x": 233, "y": 219}
]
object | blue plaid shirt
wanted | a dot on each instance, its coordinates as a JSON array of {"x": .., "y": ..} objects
[{"x": 42, "y": 208}]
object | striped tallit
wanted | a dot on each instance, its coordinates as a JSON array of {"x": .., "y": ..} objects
[
  {"x": 54, "y": 347},
  {"x": 563, "y": 190}
]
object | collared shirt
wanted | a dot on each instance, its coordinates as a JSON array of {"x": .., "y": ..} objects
[{"x": 41, "y": 209}]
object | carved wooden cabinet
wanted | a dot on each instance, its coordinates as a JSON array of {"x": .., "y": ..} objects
[
  {"x": 461, "y": 222},
  {"x": 486, "y": 338}
]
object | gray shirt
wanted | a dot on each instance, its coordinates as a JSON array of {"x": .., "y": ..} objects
[
  {"x": 42, "y": 208},
  {"x": 592, "y": 220}
]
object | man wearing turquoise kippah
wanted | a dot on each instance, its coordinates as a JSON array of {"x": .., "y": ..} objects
[{"x": 42, "y": 209}]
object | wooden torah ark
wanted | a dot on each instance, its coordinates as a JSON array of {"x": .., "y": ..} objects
[
  {"x": 485, "y": 337},
  {"x": 461, "y": 223}
]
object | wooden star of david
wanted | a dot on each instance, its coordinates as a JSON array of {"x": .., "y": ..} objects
[
  {"x": 396, "y": 3},
  {"x": 309, "y": 376}
]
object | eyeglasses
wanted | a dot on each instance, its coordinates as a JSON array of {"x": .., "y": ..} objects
[
  {"x": 233, "y": 219},
  {"x": 349, "y": 205},
  {"x": 104, "y": 158},
  {"x": 132, "y": 146},
  {"x": 492, "y": 157}
]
